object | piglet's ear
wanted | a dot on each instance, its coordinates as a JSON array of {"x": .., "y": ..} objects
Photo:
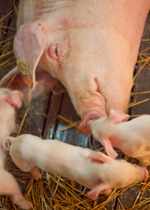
[
  {"x": 29, "y": 46},
  {"x": 14, "y": 98},
  {"x": 117, "y": 116},
  {"x": 99, "y": 156}
]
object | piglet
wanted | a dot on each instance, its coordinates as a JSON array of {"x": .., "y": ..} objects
[
  {"x": 94, "y": 170},
  {"x": 9, "y": 100},
  {"x": 131, "y": 137}
]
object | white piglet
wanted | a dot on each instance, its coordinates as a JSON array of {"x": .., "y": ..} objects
[
  {"x": 94, "y": 170},
  {"x": 131, "y": 137},
  {"x": 9, "y": 101}
]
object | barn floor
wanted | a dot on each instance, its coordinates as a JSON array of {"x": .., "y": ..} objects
[{"x": 52, "y": 111}]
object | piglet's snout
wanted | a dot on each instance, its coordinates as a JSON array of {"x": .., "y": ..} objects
[
  {"x": 145, "y": 172},
  {"x": 84, "y": 126}
]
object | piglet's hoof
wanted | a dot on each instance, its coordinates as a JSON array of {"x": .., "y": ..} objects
[
  {"x": 26, "y": 205},
  {"x": 38, "y": 177},
  {"x": 35, "y": 173}
]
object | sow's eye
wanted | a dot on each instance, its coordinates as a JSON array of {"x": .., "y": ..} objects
[
  {"x": 54, "y": 51},
  {"x": 57, "y": 51}
]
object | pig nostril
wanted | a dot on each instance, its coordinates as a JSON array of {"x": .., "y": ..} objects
[{"x": 97, "y": 85}]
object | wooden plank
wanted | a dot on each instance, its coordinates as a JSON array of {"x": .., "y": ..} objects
[
  {"x": 53, "y": 111},
  {"x": 35, "y": 119},
  {"x": 71, "y": 135}
]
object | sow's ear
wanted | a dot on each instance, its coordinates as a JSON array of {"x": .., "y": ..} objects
[
  {"x": 117, "y": 116},
  {"x": 29, "y": 46}
]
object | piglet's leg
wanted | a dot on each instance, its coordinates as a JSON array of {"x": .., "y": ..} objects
[
  {"x": 35, "y": 173},
  {"x": 109, "y": 148},
  {"x": 20, "y": 201},
  {"x": 9, "y": 186}
]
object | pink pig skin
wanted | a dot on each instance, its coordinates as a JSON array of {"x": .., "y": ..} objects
[
  {"x": 132, "y": 137},
  {"x": 94, "y": 170},
  {"x": 9, "y": 100},
  {"x": 8, "y": 185},
  {"x": 90, "y": 46}
]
